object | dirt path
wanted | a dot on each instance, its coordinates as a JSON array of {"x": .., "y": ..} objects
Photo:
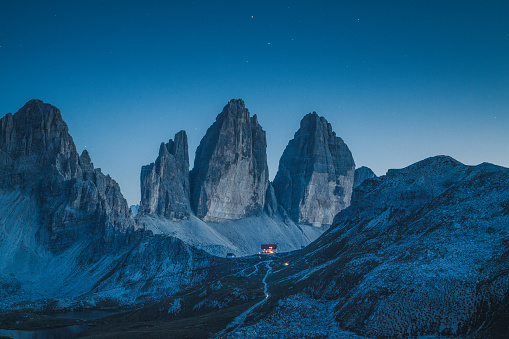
[{"x": 239, "y": 320}]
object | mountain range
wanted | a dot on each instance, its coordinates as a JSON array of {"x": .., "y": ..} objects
[
  {"x": 226, "y": 203},
  {"x": 420, "y": 251}
]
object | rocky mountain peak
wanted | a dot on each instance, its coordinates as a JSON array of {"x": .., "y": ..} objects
[
  {"x": 36, "y": 138},
  {"x": 316, "y": 172},
  {"x": 165, "y": 183},
  {"x": 179, "y": 149},
  {"x": 316, "y": 125},
  {"x": 236, "y": 108},
  {"x": 413, "y": 185},
  {"x": 163, "y": 149},
  {"x": 361, "y": 174},
  {"x": 230, "y": 175},
  {"x": 85, "y": 161},
  {"x": 39, "y": 158},
  {"x": 437, "y": 164}
]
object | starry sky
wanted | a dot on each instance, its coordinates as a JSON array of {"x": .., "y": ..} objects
[{"x": 398, "y": 80}]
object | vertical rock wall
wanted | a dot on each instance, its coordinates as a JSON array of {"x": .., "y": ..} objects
[
  {"x": 316, "y": 172},
  {"x": 230, "y": 175},
  {"x": 165, "y": 183},
  {"x": 75, "y": 201}
]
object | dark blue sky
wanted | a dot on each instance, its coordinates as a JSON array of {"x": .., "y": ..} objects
[{"x": 399, "y": 80}]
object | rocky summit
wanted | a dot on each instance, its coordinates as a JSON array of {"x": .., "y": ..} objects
[
  {"x": 165, "y": 183},
  {"x": 361, "y": 174},
  {"x": 235, "y": 209},
  {"x": 316, "y": 173},
  {"x": 230, "y": 176},
  {"x": 40, "y": 159}
]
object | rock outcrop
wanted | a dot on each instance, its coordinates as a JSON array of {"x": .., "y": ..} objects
[
  {"x": 316, "y": 173},
  {"x": 230, "y": 176},
  {"x": 38, "y": 157},
  {"x": 165, "y": 183},
  {"x": 361, "y": 174}
]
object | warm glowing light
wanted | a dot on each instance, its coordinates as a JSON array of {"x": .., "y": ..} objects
[{"x": 269, "y": 249}]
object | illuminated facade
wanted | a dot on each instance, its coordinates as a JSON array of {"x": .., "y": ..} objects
[{"x": 269, "y": 248}]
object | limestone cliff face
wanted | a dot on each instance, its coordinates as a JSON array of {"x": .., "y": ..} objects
[
  {"x": 316, "y": 172},
  {"x": 38, "y": 157},
  {"x": 32, "y": 140},
  {"x": 230, "y": 175},
  {"x": 361, "y": 174},
  {"x": 165, "y": 183}
]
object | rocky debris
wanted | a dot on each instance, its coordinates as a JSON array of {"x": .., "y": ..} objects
[
  {"x": 165, "y": 183},
  {"x": 230, "y": 176},
  {"x": 242, "y": 237},
  {"x": 298, "y": 316},
  {"x": 361, "y": 174},
  {"x": 316, "y": 173},
  {"x": 421, "y": 251},
  {"x": 38, "y": 156},
  {"x": 135, "y": 267}
]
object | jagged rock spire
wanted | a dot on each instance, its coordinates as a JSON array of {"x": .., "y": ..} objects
[
  {"x": 165, "y": 183},
  {"x": 230, "y": 175}
]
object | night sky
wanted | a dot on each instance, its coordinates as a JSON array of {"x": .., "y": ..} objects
[{"x": 398, "y": 80}]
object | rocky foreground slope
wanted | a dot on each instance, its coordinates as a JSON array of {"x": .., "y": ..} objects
[{"x": 420, "y": 251}]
